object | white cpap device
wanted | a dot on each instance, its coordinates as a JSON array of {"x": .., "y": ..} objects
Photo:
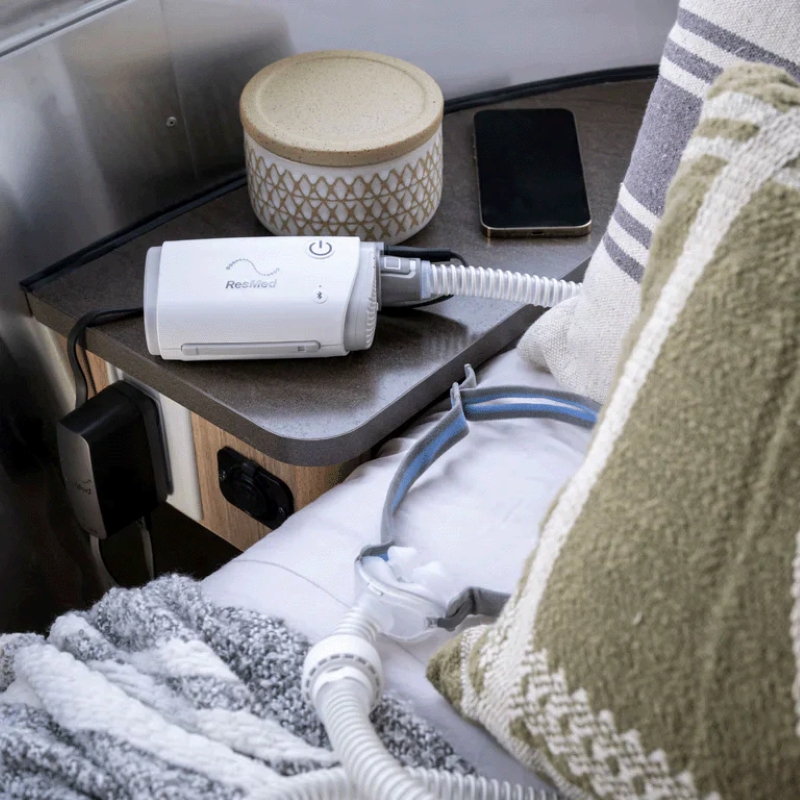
[{"x": 303, "y": 297}]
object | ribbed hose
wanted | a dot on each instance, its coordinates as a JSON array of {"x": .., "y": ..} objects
[
  {"x": 450, "y": 786},
  {"x": 498, "y": 284},
  {"x": 369, "y": 770},
  {"x": 344, "y": 711},
  {"x": 329, "y": 784},
  {"x": 356, "y": 623},
  {"x": 333, "y": 785}
]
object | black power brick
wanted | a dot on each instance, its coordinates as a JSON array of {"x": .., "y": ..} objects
[{"x": 113, "y": 460}]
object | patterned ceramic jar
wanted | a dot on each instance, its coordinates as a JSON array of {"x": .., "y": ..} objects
[{"x": 343, "y": 143}]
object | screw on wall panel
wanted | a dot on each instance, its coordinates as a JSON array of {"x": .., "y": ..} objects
[{"x": 172, "y": 122}]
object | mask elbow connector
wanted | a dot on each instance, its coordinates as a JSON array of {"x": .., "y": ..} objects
[
  {"x": 404, "y": 281},
  {"x": 347, "y": 655}
]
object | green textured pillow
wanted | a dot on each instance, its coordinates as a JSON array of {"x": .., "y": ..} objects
[{"x": 652, "y": 648}]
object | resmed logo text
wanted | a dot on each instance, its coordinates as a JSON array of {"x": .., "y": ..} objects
[
  {"x": 251, "y": 284},
  {"x": 254, "y": 284}
]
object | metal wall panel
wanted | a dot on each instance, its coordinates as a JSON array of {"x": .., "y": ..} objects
[
  {"x": 216, "y": 48},
  {"x": 24, "y": 21},
  {"x": 85, "y": 150},
  {"x": 85, "y": 147}
]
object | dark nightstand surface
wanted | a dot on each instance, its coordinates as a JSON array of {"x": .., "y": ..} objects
[{"x": 324, "y": 411}]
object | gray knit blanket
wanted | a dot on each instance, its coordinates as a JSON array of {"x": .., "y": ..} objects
[{"x": 157, "y": 693}]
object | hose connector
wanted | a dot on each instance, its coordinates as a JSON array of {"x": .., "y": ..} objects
[
  {"x": 403, "y": 280},
  {"x": 343, "y": 656}
]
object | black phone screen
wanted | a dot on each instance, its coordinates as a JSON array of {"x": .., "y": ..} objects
[{"x": 530, "y": 175}]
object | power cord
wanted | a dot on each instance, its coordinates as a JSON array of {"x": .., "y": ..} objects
[
  {"x": 145, "y": 527},
  {"x": 77, "y": 337},
  {"x": 423, "y": 304},
  {"x": 106, "y": 578}
]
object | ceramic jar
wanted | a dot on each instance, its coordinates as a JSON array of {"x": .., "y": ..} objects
[{"x": 343, "y": 143}]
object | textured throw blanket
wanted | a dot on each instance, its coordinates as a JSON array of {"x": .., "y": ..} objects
[{"x": 156, "y": 693}]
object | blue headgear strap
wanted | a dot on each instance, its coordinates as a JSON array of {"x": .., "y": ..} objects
[{"x": 468, "y": 402}]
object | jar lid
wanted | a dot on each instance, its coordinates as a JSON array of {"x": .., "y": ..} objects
[{"x": 341, "y": 108}]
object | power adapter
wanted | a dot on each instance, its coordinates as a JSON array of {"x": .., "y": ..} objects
[{"x": 113, "y": 460}]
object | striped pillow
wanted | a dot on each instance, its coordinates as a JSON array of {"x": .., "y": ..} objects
[
  {"x": 580, "y": 340},
  {"x": 652, "y": 648}
]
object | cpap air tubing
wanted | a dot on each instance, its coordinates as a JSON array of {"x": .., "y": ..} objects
[
  {"x": 344, "y": 709},
  {"x": 334, "y": 785},
  {"x": 498, "y": 284},
  {"x": 413, "y": 282},
  {"x": 342, "y": 677}
]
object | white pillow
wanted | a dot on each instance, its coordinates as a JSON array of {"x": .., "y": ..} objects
[{"x": 579, "y": 341}]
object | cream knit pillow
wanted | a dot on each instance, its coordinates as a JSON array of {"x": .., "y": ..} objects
[
  {"x": 579, "y": 341},
  {"x": 652, "y": 648}
]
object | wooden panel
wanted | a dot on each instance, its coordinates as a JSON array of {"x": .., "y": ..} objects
[
  {"x": 229, "y": 522},
  {"x": 98, "y": 371},
  {"x": 93, "y": 366}
]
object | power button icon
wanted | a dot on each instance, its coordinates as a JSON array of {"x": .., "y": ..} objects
[{"x": 320, "y": 248}]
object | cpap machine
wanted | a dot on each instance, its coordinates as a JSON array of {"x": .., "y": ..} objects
[{"x": 304, "y": 297}]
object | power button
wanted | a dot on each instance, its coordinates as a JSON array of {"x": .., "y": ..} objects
[{"x": 320, "y": 249}]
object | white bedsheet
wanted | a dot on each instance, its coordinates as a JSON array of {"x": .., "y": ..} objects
[{"x": 477, "y": 511}]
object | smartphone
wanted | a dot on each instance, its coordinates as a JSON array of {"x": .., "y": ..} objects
[{"x": 530, "y": 176}]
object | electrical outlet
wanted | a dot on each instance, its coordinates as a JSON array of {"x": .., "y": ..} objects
[{"x": 176, "y": 422}]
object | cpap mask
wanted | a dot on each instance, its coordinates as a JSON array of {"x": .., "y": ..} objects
[
  {"x": 405, "y": 598},
  {"x": 302, "y": 296},
  {"x": 400, "y": 597}
]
